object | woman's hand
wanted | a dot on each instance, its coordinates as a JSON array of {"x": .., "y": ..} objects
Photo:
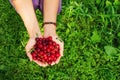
[
  {"x": 61, "y": 43},
  {"x": 48, "y": 31},
  {"x": 29, "y": 47}
]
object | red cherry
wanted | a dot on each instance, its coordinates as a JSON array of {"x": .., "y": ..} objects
[
  {"x": 53, "y": 51},
  {"x": 38, "y": 58},
  {"x": 37, "y": 39},
  {"x": 35, "y": 46},
  {"x": 48, "y": 50},
  {"x": 57, "y": 46},
  {"x": 45, "y": 57},
  {"x": 49, "y": 58},
  {"x": 50, "y": 42},
  {"x": 51, "y": 47},
  {"x": 40, "y": 39},
  {"x": 41, "y": 53},
  {"x": 49, "y": 62},
  {"x": 54, "y": 59},
  {"x": 38, "y": 50},
  {"x": 54, "y": 44},
  {"x": 34, "y": 56},
  {"x": 57, "y": 55},
  {"x": 43, "y": 60},
  {"x": 40, "y": 46},
  {"x": 44, "y": 47},
  {"x": 50, "y": 38}
]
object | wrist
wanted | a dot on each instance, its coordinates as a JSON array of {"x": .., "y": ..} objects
[
  {"x": 35, "y": 33},
  {"x": 49, "y": 30}
]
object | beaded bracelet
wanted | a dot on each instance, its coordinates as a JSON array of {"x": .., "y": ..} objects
[{"x": 49, "y": 23}]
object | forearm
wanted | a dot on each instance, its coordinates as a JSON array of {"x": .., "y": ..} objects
[
  {"x": 27, "y": 13},
  {"x": 50, "y": 15}
]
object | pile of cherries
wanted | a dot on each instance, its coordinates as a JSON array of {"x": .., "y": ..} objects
[{"x": 46, "y": 50}]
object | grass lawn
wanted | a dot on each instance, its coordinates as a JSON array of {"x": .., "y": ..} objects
[{"x": 91, "y": 33}]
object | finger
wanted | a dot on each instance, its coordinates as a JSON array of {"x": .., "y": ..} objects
[
  {"x": 61, "y": 43},
  {"x": 57, "y": 38},
  {"x": 57, "y": 61},
  {"x": 30, "y": 56},
  {"x": 61, "y": 49},
  {"x": 53, "y": 63},
  {"x": 28, "y": 47},
  {"x": 40, "y": 63}
]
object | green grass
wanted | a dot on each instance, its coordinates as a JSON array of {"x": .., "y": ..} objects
[{"x": 91, "y": 33}]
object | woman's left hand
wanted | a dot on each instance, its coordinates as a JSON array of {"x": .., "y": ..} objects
[{"x": 58, "y": 41}]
